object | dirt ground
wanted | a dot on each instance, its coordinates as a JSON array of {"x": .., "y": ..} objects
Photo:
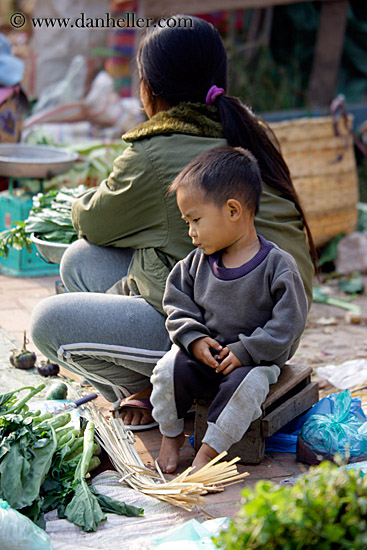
[{"x": 329, "y": 337}]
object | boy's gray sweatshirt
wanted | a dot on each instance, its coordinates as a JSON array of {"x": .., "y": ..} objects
[{"x": 258, "y": 310}]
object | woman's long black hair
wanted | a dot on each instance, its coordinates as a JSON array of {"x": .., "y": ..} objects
[{"x": 179, "y": 63}]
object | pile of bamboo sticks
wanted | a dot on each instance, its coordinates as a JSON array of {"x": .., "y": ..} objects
[{"x": 186, "y": 490}]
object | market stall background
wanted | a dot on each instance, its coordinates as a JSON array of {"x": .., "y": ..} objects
[{"x": 81, "y": 89}]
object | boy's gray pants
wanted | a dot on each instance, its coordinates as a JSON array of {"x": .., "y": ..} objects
[
  {"x": 237, "y": 397},
  {"x": 112, "y": 340}
]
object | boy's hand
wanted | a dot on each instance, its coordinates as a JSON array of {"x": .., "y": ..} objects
[
  {"x": 229, "y": 361},
  {"x": 200, "y": 349}
]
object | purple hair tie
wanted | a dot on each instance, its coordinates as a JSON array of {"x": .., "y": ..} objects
[{"x": 213, "y": 93}]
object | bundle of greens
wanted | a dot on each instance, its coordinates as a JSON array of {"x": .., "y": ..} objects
[
  {"x": 49, "y": 219},
  {"x": 325, "y": 509},
  {"x": 44, "y": 461}
]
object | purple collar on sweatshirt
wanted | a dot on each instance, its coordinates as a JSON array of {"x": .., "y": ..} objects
[{"x": 232, "y": 273}]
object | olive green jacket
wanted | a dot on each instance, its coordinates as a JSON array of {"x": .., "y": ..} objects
[{"x": 133, "y": 208}]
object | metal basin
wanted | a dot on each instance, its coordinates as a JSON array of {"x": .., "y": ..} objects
[
  {"x": 50, "y": 252},
  {"x": 19, "y": 160}
]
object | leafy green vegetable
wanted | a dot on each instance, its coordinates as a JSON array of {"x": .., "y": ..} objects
[
  {"x": 10, "y": 404},
  {"x": 114, "y": 506},
  {"x": 352, "y": 284},
  {"x": 326, "y": 509},
  {"x": 16, "y": 238},
  {"x": 84, "y": 509},
  {"x": 26, "y": 456},
  {"x": 57, "y": 489},
  {"x": 29, "y": 444},
  {"x": 362, "y": 217},
  {"x": 50, "y": 219},
  {"x": 87, "y": 507},
  {"x": 323, "y": 298},
  {"x": 330, "y": 251},
  {"x": 44, "y": 461}
]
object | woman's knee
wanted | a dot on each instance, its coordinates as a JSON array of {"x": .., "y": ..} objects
[
  {"x": 86, "y": 267},
  {"x": 72, "y": 263},
  {"x": 43, "y": 325}
]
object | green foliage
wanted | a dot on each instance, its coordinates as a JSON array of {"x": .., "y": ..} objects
[
  {"x": 321, "y": 297},
  {"x": 16, "y": 238},
  {"x": 44, "y": 462},
  {"x": 326, "y": 509},
  {"x": 84, "y": 509},
  {"x": 352, "y": 284},
  {"x": 50, "y": 219},
  {"x": 87, "y": 506},
  {"x": 330, "y": 251},
  {"x": 362, "y": 213},
  {"x": 264, "y": 84},
  {"x": 114, "y": 506},
  {"x": 258, "y": 74}
]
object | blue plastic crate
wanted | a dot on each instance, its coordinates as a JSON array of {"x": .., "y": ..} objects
[{"x": 20, "y": 263}]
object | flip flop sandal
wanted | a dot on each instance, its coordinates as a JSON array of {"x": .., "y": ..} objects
[{"x": 136, "y": 404}]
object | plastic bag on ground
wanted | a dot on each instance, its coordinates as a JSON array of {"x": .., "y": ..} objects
[
  {"x": 191, "y": 535},
  {"x": 17, "y": 532},
  {"x": 285, "y": 439},
  {"x": 340, "y": 432}
]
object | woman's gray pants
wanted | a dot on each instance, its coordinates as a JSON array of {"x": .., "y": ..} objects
[{"x": 112, "y": 340}]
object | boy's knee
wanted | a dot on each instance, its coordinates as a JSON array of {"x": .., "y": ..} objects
[
  {"x": 162, "y": 397},
  {"x": 163, "y": 371}
]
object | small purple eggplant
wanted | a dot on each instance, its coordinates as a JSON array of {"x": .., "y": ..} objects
[
  {"x": 23, "y": 358},
  {"x": 46, "y": 368}
]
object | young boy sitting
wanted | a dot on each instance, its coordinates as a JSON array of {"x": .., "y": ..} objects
[{"x": 236, "y": 308}]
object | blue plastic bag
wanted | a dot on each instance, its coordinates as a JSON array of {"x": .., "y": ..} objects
[
  {"x": 343, "y": 432},
  {"x": 285, "y": 439},
  {"x": 191, "y": 535},
  {"x": 17, "y": 532}
]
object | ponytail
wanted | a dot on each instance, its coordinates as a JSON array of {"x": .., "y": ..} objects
[
  {"x": 189, "y": 64},
  {"x": 242, "y": 128}
]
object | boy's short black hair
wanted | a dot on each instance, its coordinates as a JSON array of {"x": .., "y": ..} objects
[{"x": 223, "y": 173}]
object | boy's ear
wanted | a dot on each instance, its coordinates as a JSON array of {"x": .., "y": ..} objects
[{"x": 234, "y": 209}]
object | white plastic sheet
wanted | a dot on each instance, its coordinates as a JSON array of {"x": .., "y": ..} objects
[{"x": 345, "y": 376}]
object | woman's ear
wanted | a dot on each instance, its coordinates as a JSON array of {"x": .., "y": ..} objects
[
  {"x": 146, "y": 98},
  {"x": 151, "y": 103},
  {"x": 234, "y": 209}
]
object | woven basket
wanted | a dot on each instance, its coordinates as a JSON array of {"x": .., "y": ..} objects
[{"x": 323, "y": 170}]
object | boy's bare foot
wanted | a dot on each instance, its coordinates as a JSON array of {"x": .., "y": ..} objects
[
  {"x": 169, "y": 454},
  {"x": 136, "y": 416},
  {"x": 204, "y": 455}
]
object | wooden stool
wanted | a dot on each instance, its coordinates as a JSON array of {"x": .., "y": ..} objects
[{"x": 292, "y": 395}]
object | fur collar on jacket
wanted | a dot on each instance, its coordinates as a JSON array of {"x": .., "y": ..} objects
[{"x": 196, "y": 119}]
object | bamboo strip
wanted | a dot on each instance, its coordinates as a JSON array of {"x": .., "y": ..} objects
[{"x": 185, "y": 491}]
